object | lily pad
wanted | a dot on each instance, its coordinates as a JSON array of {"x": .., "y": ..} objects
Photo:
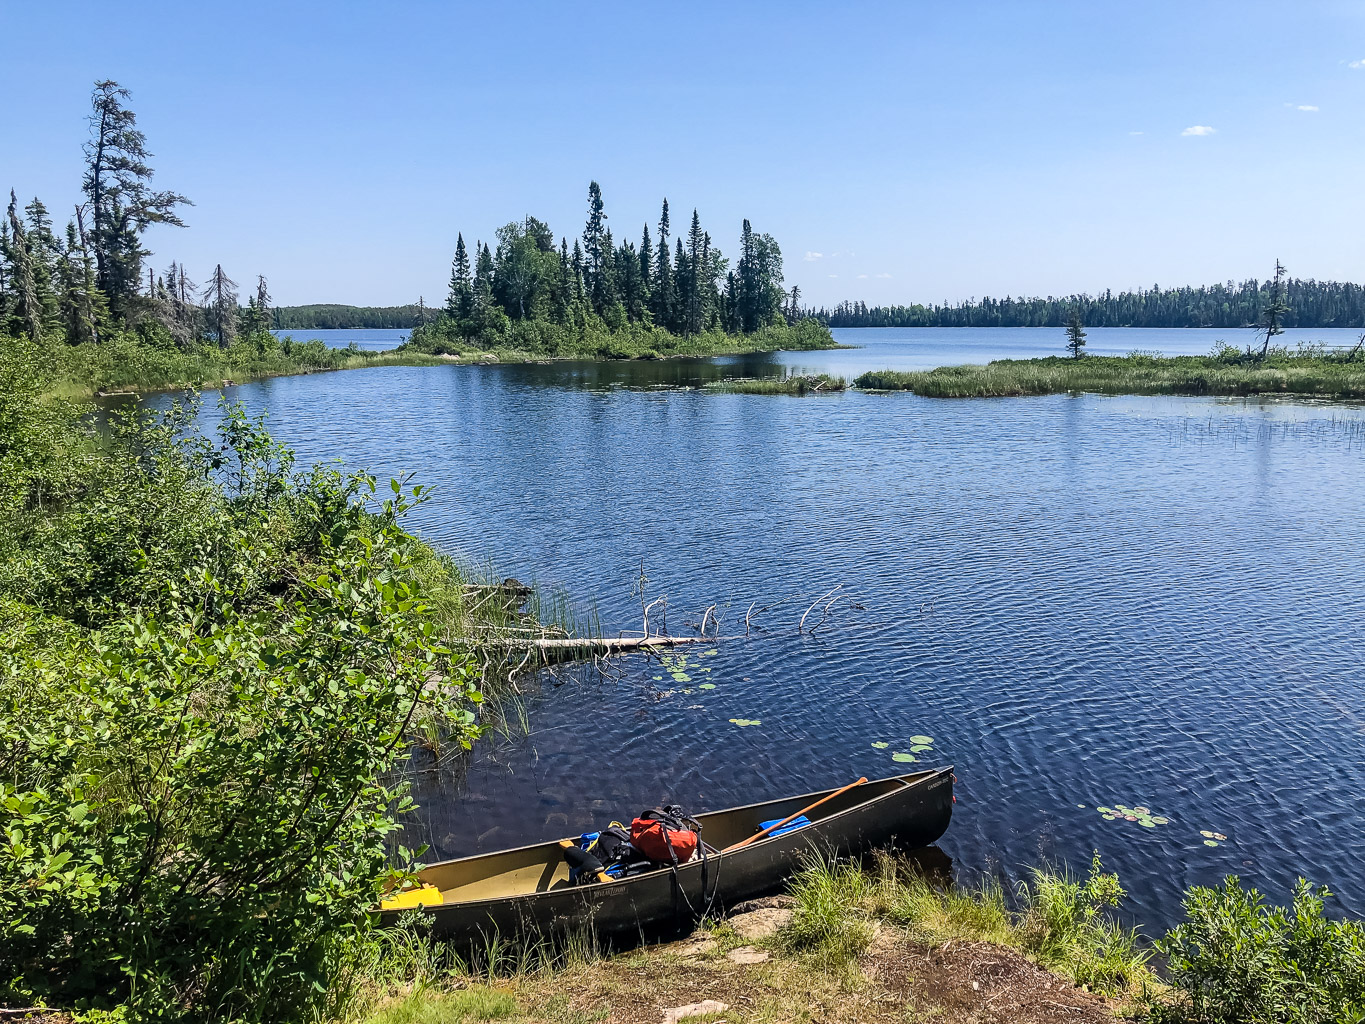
[
  {"x": 904, "y": 758},
  {"x": 1219, "y": 836},
  {"x": 711, "y": 652},
  {"x": 1147, "y": 823},
  {"x": 1206, "y": 833},
  {"x": 1160, "y": 820},
  {"x": 921, "y": 739},
  {"x": 742, "y": 722},
  {"x": 1142, "y": 810},
  {"x": 1108, "y": 817},
  {"x": 1104, "y": 810},
  {"x": 920, "y": 748},
  {"x": 1210, "y": 842},
  {"x": 706, "y": 686},
  {"x": 681, "y": 677},
  {"x": 1081, "y": 806},
  {"x": 880, "y": 745}
]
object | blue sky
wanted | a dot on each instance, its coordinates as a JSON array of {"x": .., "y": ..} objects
[{"x": 926, "y": 151}]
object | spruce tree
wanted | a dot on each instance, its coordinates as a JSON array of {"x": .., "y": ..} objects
[
  {"x": 220, "y": 299},
  {"x": 1075, "y": 335},
  {"x": 28, "y": 310},
  {"x": 664, "y": 302},
  {"x": 82, "y": 305},
  {"x": 460, "y": 299},
  {"x": 263, "y": 305},
  {"x": 1275, "y": 311},
  {"x": 45, "y": 253},
  {"x": 595, "y": 247},
  {"x": 695, "y": 301},
  {"x": 646, "y": 257}
]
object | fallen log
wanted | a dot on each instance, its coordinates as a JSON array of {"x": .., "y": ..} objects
[{"x": 587, "y": 643}]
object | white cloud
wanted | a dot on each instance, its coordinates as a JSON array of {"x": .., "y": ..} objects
[
  {"x": 1137, "y": 133},
  {"x": 1199, "y": 129},
  {"x": 811, "y": 257},
  {"x": 862, "y": 277},
  {"x": 1306, "y": 106},
  {"x": 833, "y": 275},
  {"x": 1359, "y": 65},
  {"x": 883, "y": 275}
]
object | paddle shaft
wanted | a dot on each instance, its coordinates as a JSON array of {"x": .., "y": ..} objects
[{"x": 790, "y": 818}]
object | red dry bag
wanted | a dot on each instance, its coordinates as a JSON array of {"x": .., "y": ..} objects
[{"x": 663, "y": 838}]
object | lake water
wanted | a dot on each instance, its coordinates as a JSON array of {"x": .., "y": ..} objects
[{"x": 1085, "y": 601}]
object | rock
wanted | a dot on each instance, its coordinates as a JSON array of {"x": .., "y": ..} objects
[
  {"x": 694, "y": 1010},
  {"x": 763, "y": 903},
  {"x": 760, "y": 924},
  {"x": 747, "y": 955},
  {"x": 695, "y": 945},
  {"x": 557, "y": 819}
]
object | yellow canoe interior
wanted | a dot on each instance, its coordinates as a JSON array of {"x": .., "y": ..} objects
[{"x": 541, "y": 867}]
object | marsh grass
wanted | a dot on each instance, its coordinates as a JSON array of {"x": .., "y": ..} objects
[
  {"x": 1226, "y": 372},
  {"x": 797, "y": 384},
  {"x": 1063, "y": 922}
]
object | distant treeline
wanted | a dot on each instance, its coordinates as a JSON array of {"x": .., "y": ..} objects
[
  {"x": 328, "y": 316},
  {"x": 1311, "y": 304}
]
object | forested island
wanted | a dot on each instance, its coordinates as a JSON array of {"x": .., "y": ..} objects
[
  {"x": 609, "y": 299},
  {"x": 332, "y": 316},
  {"x": 1312, "y": 304},
  {"x": 105, "y": 319}
]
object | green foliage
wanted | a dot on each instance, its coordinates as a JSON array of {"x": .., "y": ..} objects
[
  {"x": 1227, "y": 371},
  {"x": 335, "y": 316},
  {"x": 210, "y": 664},
  {"x": 1235, "y": 960},
  {"x": 825, "y": 922}
]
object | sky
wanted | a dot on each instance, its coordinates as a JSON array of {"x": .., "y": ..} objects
[{"x": 912, "y": 151}]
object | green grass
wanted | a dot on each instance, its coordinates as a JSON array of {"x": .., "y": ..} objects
[
  {"x": 1225, "y": 373},
  {"x": 423, "y": 1007},
  {"x": 1062, "y": 922},
  {"x": 797, "y": 384}
]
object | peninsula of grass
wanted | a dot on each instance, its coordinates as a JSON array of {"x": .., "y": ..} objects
[
  {"x": 1228, "y": 372},
  {"x": 798, "y": 385}
]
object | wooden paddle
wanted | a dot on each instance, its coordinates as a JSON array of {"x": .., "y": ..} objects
[
  {"x": 568, "y": 844},
  {"x": 790, "y": 818}
]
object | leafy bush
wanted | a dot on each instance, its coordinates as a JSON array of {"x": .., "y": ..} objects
[
  {"x": 208, "y": 666},
  {"x": 1235, "y": 960}
]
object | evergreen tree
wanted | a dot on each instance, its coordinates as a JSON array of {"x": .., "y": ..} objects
[
  {"x": 595, "y": 247},
  {"x": 578, "y": 271},
  {"x": 1075, "y": 335},
  {"x": 460, "y": 300},
  {"x": 748, "y": 281},
  {"x": 28, "y": 311},
  {"x": 646, "y": 257},
  {"x": 45, "y": 254},
  {"x": 220, "y": 300},
  {"x": 662, "y": 295},
  {"x": 117, "y": 186},
  {"x": 696, "y": 309},
  {"x": 263, "y": 301},
  {"x": 83, "y": 310},
  {"x": 1275, "y": 310},
  {"x": 682, "y": 286}
]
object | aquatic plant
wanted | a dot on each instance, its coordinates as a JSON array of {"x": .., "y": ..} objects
[{"x": 1142, "y": 815}]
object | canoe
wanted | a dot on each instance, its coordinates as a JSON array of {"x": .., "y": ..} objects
[{"x": 526, "y": 891}]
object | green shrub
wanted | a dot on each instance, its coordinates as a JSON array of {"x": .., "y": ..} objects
[{"x": 1235, "y": 960}]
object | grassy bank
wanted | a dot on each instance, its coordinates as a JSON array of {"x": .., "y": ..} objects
[
  {"x": 123, "y": 362},
  {"x": 797, "y": 385},
  {"x": 1227, "y": 373},
  {"x": 593, "y": 339},
  {"x": 881, "y": 943}
]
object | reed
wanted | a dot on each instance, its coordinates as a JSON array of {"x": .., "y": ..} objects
[{"x": 1226, "y": 372}]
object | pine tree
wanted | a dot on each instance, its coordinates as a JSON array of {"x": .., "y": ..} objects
[
  {"x": 263, "y": 305},
  {"x": 1075, "y": 335},
  {"x": 82, "y": 305},
  {"x": 220, "y": 299},
  {"x": 45, "y": 254},
  {"x": 117, "y": 186}
]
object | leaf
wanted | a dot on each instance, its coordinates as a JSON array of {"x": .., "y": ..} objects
[
  {"x": 922, "y": 739},
  {"x": 880, "y": 745},
  {"x": 920, "y": 748},
  {"x": 1206, "y": 833},
  {"x": 742, "y": 722},
  {"x": 1210, "y": 842},
  {"x": 706, "y": 686},
  {"x": 904, "y": 758}
]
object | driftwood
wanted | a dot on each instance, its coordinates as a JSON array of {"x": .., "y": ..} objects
[{"x": 586, "y": 643}]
